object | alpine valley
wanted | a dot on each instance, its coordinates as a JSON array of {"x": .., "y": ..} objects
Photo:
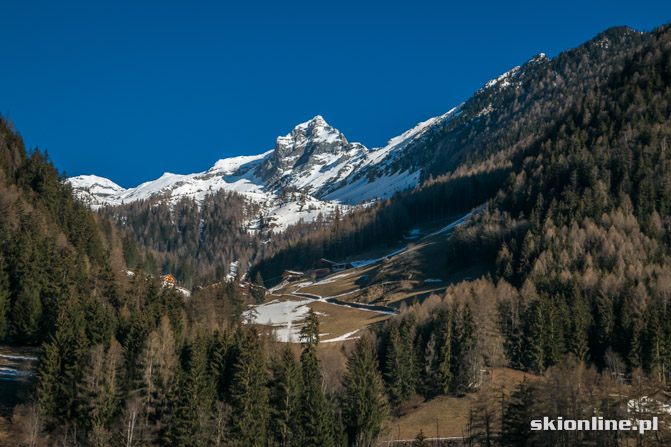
[
  {"x": 314, "y": 175},
  {"x": 506, "y": 261}
]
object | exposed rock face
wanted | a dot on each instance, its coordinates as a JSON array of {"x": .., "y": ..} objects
[{"x": 308, "y": 145}]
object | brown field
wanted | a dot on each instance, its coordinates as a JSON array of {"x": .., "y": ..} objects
[
  {"x": 341, "y": 320},
  {"x": 336, "y": 321},
  {"x": 451, "y": 412},
  {"x": 395, "y": 280},
  {"x": 341, "y": 284}
]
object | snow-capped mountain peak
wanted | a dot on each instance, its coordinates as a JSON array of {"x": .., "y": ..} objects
[
  {"x": 94, "y": 190},
  {"x": 94, "y": 182},
  {"x": 310, "y": 144},
  {"x": 314, "y": 131},
  {"x": 314, "y": 160},
  {"x": 314, "y": 165}
]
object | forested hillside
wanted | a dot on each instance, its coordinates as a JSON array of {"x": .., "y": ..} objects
[
  {"x": 466, "y": 162},
  {"x": 582, "y": 226},
  {"x": 575, "y": 236},
  {"x": 52, "y": 250},
  {"x": 125, "y": 361},
  {"x": 580, "y": 237},
  {"x": 195, "y": 242},
  {"x": 577, "y": 240}
]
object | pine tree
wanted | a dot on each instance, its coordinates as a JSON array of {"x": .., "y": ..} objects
[
  {"x": 310, "y": 329},
  {"x": 286, "y": 392},
  {"x": 420, "y": 440},
  {"x": 27, "y": 314},
  {"x": 534, "y": 338},
  {"x": 249, "y": 396},
  {"x": 445, "y": 352},
  {"x": 315, "y": 412},
  {"x": 394, "y": 369},
  {"x": 517, "y": 417},
  {"x": 258, "y": 289},
  {"x": 192, "y": 400},
  {"x": 364, "y": 407}
]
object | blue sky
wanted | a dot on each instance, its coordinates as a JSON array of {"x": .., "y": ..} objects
[{"x": 129, "y": 90}]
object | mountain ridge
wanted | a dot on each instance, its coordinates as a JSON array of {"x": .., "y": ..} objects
[
  {"x": 318, "y": 165},
  {"x": 314, "y": 159},
  {"x": 291, "y": 164}
]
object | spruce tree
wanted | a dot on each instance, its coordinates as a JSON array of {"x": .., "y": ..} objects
[
  {"x": 315, "y": 412},
  {"x": 59, "y": 372},
  {"x": 50, "y": 379},
  {"x": 533, "y": 338},
  {"x": 26, "y": 315},
  {"x": 100, "y": 393},
  {"x": 249, "y": 395},
  {"x": 580, "y": 320},
  {"x": 285, "y": 398},
  {"x": 444, "y": 367},
  {"x": 517, "y": 417},
  {"x": 191, "y": 400},
  {"x": 364, "y": 407},
  {"x": 394, "y": 369},
  {"x": 258, "y": 289},
  {"x": 310, "y": 329},
  {"x": 420, "y": 440}
]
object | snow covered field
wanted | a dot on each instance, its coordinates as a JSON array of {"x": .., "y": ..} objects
[{"x": 283, "y": 316}]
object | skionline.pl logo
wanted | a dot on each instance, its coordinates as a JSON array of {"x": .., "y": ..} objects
[{"x": 594, "y": 424}]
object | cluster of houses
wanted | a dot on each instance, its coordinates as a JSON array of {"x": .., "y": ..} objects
[
  {"x": 245, "y": 286},
  {"x": 170, "y": 281},
  {"x": 320, "y": 268}
]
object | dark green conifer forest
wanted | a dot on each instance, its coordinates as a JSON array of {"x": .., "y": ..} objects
[{"x": 574, "y": 169}]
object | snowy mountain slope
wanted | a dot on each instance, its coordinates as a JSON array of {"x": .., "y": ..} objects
[
  {"x": 317, "y": 162},
  {"x": 314, "y": 159},
  {"x": 233, "y": 174},
  {"x": 375, "y": 176},
  {"x": 95, "y": 190}
]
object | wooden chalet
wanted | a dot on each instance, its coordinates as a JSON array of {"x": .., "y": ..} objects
[
  {"x": 325, "y": 266},
  {"x": 322, "y": 264},
  {"x": 168, "y": 280},
  {"x": 290, "y": 275},
  {"x": 337, "y": 267}
]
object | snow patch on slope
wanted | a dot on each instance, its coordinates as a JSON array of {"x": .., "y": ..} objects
[
  {"x": 503, "y": 80},
  {"x": 283, "y": 316}
]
